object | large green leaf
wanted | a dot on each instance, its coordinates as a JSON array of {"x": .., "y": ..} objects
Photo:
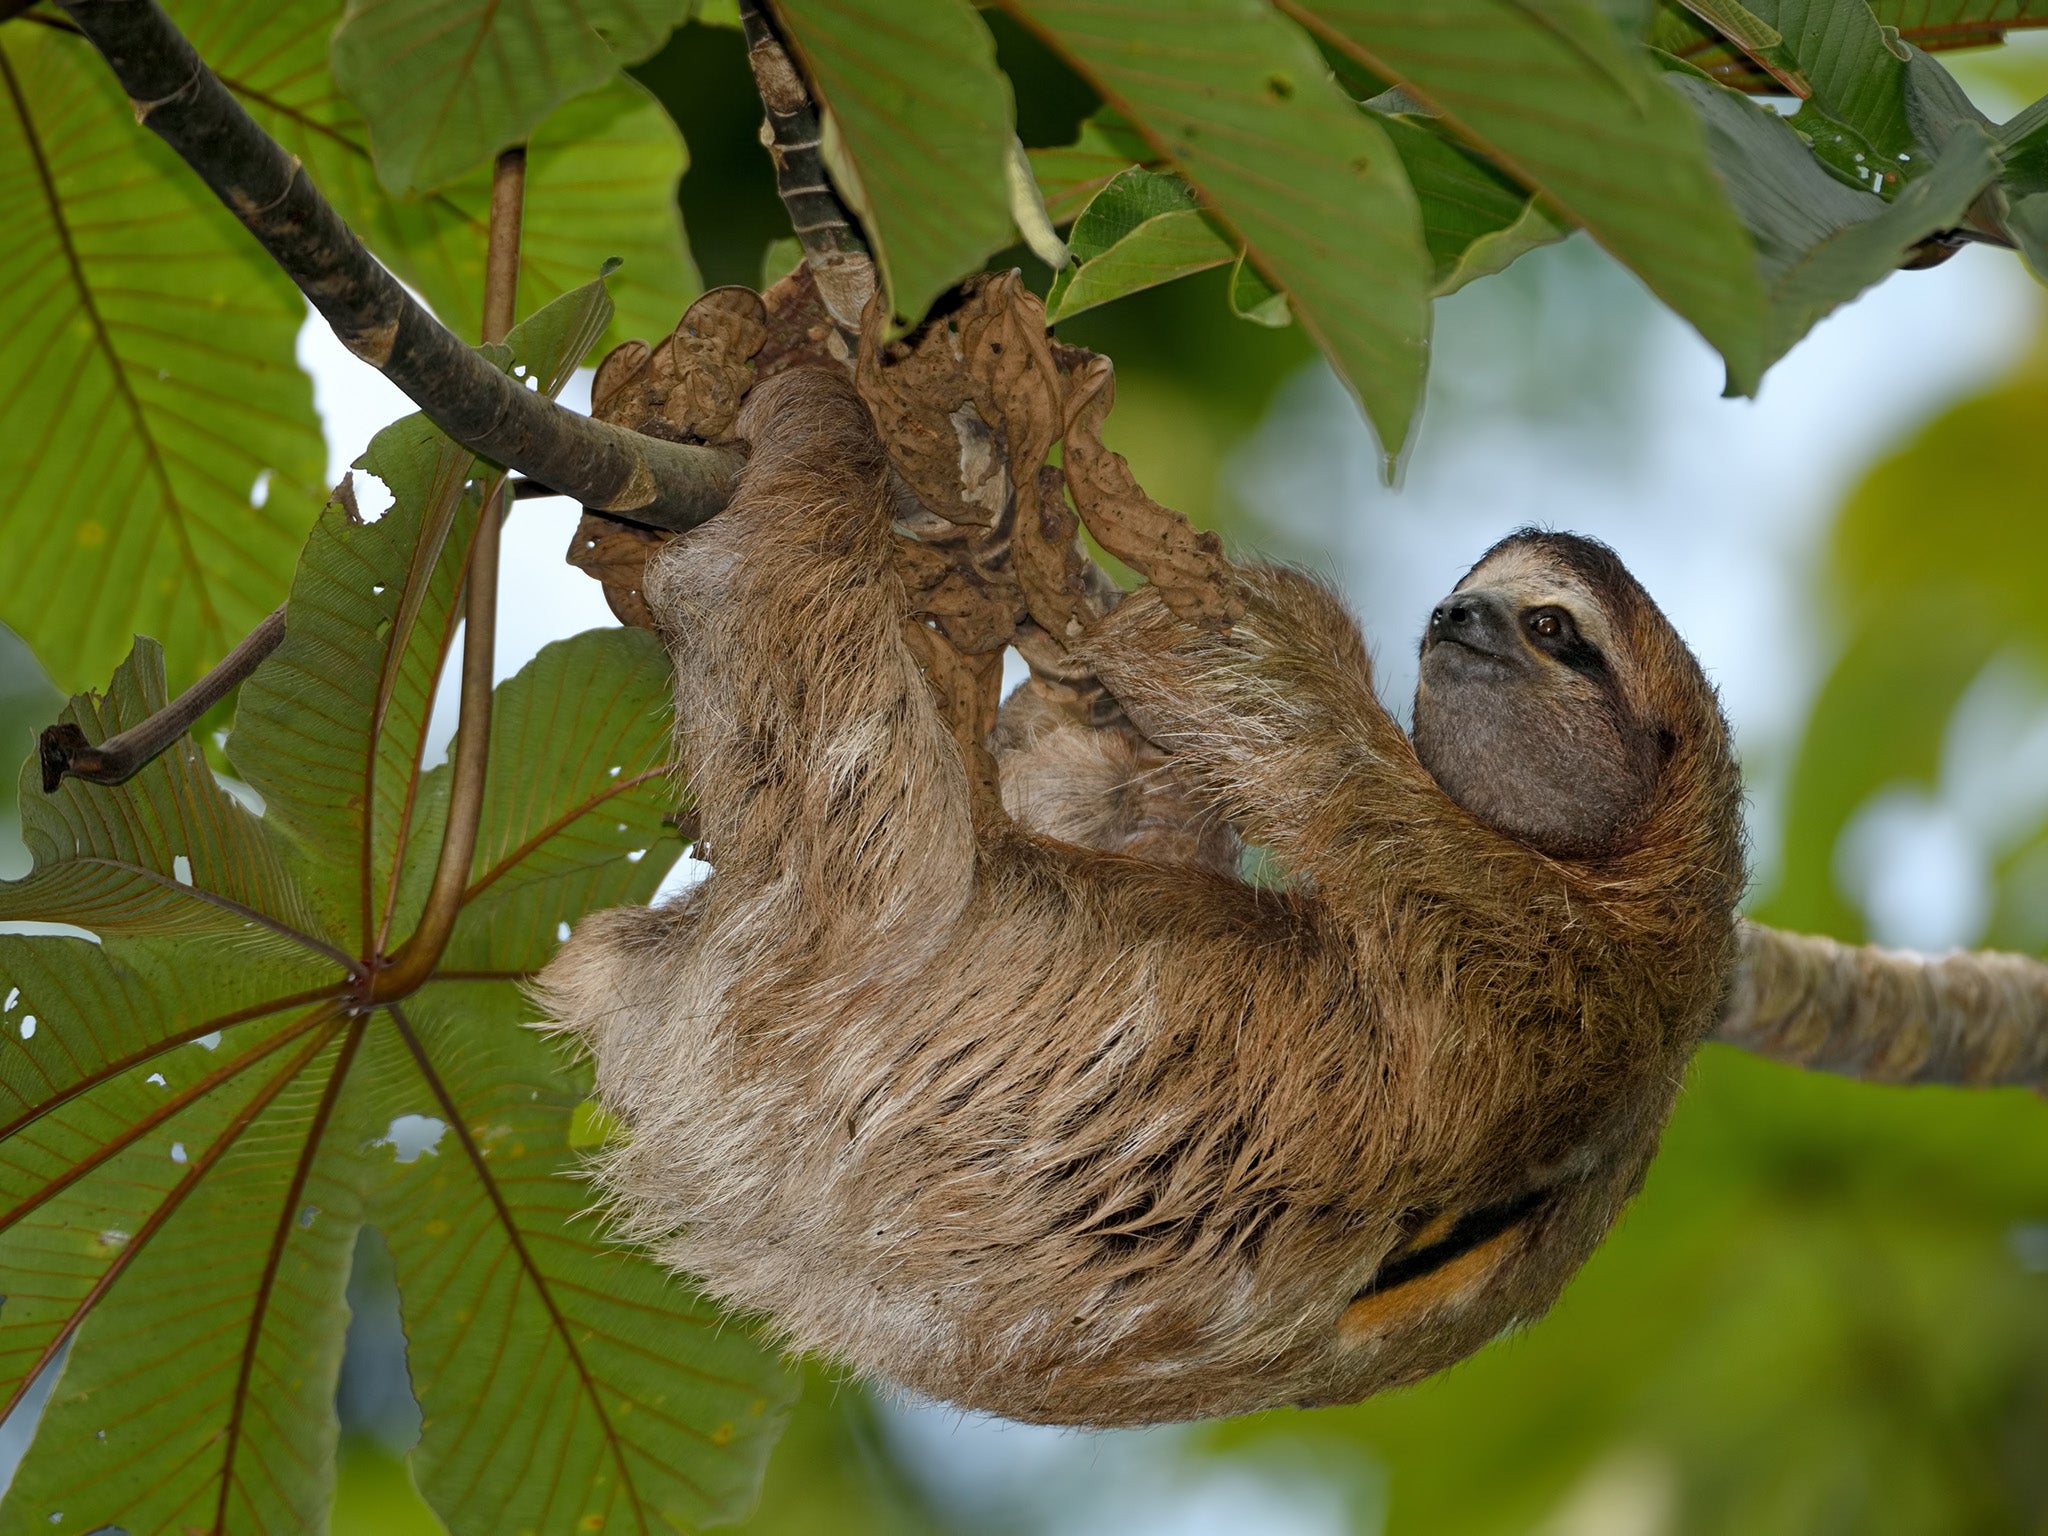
[
  {"x": 161, "y": 455},
  {"x": 446, "y": 84},
  {"x": 601, "y": 175},
  {"x": 1551, "y": 93},
  {"x": 201, "y": 1109},
  {"x": 1819, "y": 242},
  {"x": 1243, "y": 107},
  {"x": 920, "y": 126}
]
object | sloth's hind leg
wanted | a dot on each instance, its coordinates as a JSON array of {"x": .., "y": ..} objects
[{"x": 832, "y": 797}]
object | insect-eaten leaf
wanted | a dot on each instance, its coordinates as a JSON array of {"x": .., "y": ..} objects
[{"x": 203, "y": 1099}]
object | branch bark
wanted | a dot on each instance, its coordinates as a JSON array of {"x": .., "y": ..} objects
[
  {"x": 668, "y": 485},
  {"x": 794, "y": 138},
  {"x": 1972, "y": 1018},
  {"x": 65, "y": 753}
]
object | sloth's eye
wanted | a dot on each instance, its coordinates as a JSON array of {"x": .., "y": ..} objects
[{"x": 1546, "y": 623}]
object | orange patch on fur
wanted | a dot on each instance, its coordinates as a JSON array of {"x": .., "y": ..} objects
[{"x": 1370, "y": 1314}]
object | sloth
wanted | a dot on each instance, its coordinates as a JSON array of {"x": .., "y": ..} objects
[{"x": 1048, "y": 1113}]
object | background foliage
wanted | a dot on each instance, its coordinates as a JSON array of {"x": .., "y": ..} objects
[{"x": 1829, "y": 1310}]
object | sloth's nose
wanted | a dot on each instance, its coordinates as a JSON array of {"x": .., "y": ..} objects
[{"x": 1453, "y": 613}]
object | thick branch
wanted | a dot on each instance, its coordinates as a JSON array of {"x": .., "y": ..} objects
[
  {"x": 671, "y": 485},
  {"x": 1976, "y": 1018},
  {"x": 833, "y": 249},
  {"x": 65, "y": 753}
]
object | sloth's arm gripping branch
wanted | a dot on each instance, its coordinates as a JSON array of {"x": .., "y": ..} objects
[
  {"x": 1978, "y": 1019},
  {"x": 643, "y": 479}
]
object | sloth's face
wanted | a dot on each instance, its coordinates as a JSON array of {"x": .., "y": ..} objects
[{"x": 1525, "y": 709}]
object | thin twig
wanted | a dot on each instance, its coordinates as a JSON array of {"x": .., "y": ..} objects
[
  {"x": 671, "y": 485},
  {"x": 417, "y": 957},
  {"x": 794, "y": 138},
  {"x": 65, "y": 753}
]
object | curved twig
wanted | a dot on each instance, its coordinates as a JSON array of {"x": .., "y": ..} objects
[
  {"x": 416, "y": 959},
  {"x": 65, "y": 753},
  {"x": 1973, "y": 1018},
  {"x": 671, "y": 485}
]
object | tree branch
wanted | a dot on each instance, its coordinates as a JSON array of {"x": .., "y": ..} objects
[
  {"x": 794, "y": 138},
  {"x": 417, "y": 957},
  {"x": 1978, "y": 1018},
  {"x": 670, "y": 485},
  {"x": 65, "y": 752}
]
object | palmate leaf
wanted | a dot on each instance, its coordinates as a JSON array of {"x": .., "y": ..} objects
[
  {"x": 446, "y": 84},
  {"x": 161, "y": 455},
  {"x": 1552, "y": 95},
  {"x": 199, "y": 1109},
  {"x": 601, "y": 174},
  {"x": 919, "y": 126},
  {"x": 1243, "y": 107}
]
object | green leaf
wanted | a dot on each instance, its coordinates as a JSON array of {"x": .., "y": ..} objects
[
  {"x": 161, "y": 455},
  {"x": 1070, "y": 175},
  {"x": 1554, "y": 98},
  {"x": 641, "y": 1407},
  {"x": 601, "y": 176},
  {"x": 579, "y": 826},
  {"x": 1244, "y": 108},
  {"x": 1475, "y": 219},
  {"x": 921, "y": 120},
  {"x": 1819, "y": 242},
  {"x": 446, "y": 84},
  {"x": 185, "y": 858},
  {"x": 1141, "y": 230},
  {"x": 1253, "y": 298},
  {"x": 202, "y": 1108},
  {"x": 1933, "y": 25}
]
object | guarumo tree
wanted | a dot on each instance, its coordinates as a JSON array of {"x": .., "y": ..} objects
[{"x": 209, "y": 1061}]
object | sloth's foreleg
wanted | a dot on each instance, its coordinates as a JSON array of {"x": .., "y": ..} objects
[
  {"x": 832, "y": 798},
  {"x": 1276, "y": 721}
]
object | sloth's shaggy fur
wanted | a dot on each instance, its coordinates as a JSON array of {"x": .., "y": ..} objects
[{"x": 1080, "y": 1137}]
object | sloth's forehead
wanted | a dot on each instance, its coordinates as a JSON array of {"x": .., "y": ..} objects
[{"x": 1532, "y": 575}]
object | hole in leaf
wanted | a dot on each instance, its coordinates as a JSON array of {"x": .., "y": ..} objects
[
  {"x": 635, "y": 855},
  {"x": 209, "y": 1042},
  {"x": 411, "y": 1136},
  {"x": 13, "y": 997},
  {"x": 177, "y": 1152},
  {"x": 562, "y": 931},
  {"x": 158, "y": 1079},
  {"x": 613, "y": 771},
  {"x": 374, "y": 1396},
  {"x": 259, "y": 493},
  {"x": 181, "y": 869},
  {"x": 28, "y": 1026},
  {"x": 308, "y": 1215},
  {"x": 50, "y": 931},
  {"x": 373, "y": 498}
]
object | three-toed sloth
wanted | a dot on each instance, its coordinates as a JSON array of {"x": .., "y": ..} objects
[{"x": 1111, "y": 1137}]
